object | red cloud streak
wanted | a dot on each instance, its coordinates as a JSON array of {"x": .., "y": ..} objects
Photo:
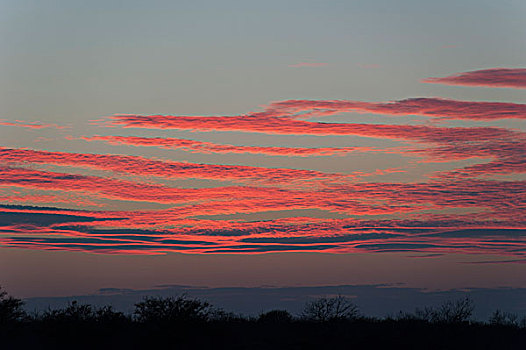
[
  {"x": 494, "y": 77},
  {"x": 499, "y": 199},
  {"x": 168, "y": 169},
  {"x": 280, "y": 117},
  {"x": 286, "y": 126},
  {"x": 30, "y": 125},
  {"x": 209, "y": 147}
]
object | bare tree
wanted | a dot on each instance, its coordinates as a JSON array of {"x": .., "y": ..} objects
[
  {"x": 449, "y": 312},
  {"x": 328, "y": 309},
  {"x": 501, "y": 318}
]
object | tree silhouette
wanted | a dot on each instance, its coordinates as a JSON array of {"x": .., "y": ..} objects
[
  {"x": 449, "y": 312},
  {"x": 166, "y": 310},
  {"x": 330, "y": 309},
  {"x": 10, "y": 308},
  {"x": 500, "y": 318}
]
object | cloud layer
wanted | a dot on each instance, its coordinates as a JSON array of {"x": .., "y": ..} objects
[{"x": 468, "y": 196}]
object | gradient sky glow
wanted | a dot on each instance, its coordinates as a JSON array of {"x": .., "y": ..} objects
[{"x": 215, "y": 143}]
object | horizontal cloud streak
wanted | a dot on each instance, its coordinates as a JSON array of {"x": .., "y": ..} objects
[
  {"x": 428, "y": 107},
  {"x": 227, "y": 199},
  {"x": 286, "y": 126},
  {"x": 503, "y": 147},
  {"x": 168, "y": 169},
  {"x": 29, "y": 125},
  {"x": 506, "y": 155},
  {"x": 282, "y": 117},
  {"x": 499, "y": 199},
  {"x": 341, "y": 236},
  {"x": 209, "y": 147},
  {"x": 494, "y": 77}
]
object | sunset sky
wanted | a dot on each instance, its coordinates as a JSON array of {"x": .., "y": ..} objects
[{"x": 243, "y": 143}]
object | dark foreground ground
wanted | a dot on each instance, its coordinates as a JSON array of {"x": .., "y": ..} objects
[{"x": 357, "y": 334}]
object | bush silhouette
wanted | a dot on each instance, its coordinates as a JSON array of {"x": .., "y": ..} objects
[
  {"x": 74, "y": 312},
  {"x": 220, "y": 315},
  {"x": 275, "y": 316},
  {"x": 330, "y": 309},
  {"x": 10, "y": 308},
  {"x": 84, "y": 313},
  {"x": 167, "y": 310}
]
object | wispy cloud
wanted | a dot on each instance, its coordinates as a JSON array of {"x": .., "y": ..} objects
[
  {"x": 209, "y": 147},
  {"x": 503, "y": 147},
  {"x": 287, "y": 126},
  {"x": 494, "y": 77},
  {"x": 30, "y": 125},
  {"x": 422, "y": 106},
  {"x": 168, "y": 169},
  {"x": 282, "y": 117}
]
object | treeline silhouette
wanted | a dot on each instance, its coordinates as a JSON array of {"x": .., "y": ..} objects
[{"x": 186, "y": 323}]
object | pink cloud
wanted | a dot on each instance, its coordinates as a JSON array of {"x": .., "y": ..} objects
[
  {"x": 287, "y": 126},
  {"x": 209, "y": 147},
  {"x": 494, "y": 77},
  {"x": 241, "y": 198},
  {"x": 80, "y": 201},
  {"x": 506, "y": 155},
  {"x": 30, "y": 125},
  {"x": 351, "y": 198},
  {"x": 423, "y": 106},
  {"x": 169, "y": 169},
  {"x": 282, "y": 118},
  {"x": 503, "y": 147}
]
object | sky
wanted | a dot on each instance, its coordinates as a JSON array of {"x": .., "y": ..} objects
[{"x": 250, "y": 144}]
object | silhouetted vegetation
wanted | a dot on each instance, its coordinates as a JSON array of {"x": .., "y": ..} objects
[
  {"x": 450, "y": 312},
  {"x": 169, "y": 310},
  {"x": 276, "y": 316},
  {"x": 10, "y": 308},
  {"x": 185, "y": 323},
  {"x": 330, "y": 309}
]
